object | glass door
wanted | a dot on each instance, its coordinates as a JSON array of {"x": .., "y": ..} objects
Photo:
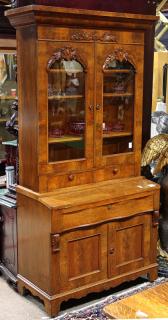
[
  {"x": 66, "y": 88},
  {"x": 118, "y": 103},
  {"x": 66, "y": 110},
  {"x": 119, "y": 79}
]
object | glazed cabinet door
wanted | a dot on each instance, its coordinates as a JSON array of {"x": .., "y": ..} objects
[
  {"x": 119, "y": 83},
  {"x": 83, "y": 257},
  {"x": 129, "y": 245},
  {"x": 65, "y": 71}
]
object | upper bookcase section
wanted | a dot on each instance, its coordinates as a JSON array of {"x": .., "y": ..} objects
[{"x": 126, "y": 6}]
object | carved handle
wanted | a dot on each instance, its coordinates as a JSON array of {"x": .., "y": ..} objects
[
  {"x": 55, "y": 242},
  {"x": 71, "y": 177},
  {"x": 98, "y": 107},
  {"x": 155, "y": 218},
  {"x": 111, "y": 251},
  {"x": 91, "y": 108}
]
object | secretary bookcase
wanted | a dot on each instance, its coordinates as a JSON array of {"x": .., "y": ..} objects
[{"x": 87, "y": 220}]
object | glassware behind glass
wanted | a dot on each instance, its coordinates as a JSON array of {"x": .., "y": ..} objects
[
  {"x": 118, "y": 107},
  {"x": 66, "y": 111}
]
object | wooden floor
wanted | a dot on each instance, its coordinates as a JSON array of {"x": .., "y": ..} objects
[{"x": 150, "y": 303}]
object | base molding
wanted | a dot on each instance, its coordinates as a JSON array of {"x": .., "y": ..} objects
[{"x": 52, "y": 303}]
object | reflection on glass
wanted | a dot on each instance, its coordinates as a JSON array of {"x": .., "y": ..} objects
[
  {"x": 8, "y": 93},
  {"x": 66, "y": 111},
  {"x": 118, "y": 103}
]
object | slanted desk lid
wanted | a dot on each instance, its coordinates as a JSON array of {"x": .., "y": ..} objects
[{"x": 97, "y": 194}]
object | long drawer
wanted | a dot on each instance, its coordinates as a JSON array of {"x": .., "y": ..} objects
[{"x": 64, "y": 221}]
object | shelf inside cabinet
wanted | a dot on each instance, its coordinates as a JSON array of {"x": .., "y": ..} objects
[
  {"x": 54, "y": 97},
  {"x": 124, "y": 94},
  {"x": 65, "y": 139},
  {"x": 65, "y": 71},
  {"x": 118, "y": 71},
  {"x": 114, "y": 134}
]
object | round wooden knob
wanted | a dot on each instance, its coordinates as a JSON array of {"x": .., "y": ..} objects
[
  {"x": 71, "y": 177},
  {"x": 115, "y": 170},
  {"x": 111, "y": 251},
  {"x": 98, "y": 107}
]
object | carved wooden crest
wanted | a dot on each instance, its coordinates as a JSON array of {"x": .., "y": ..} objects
[
  {"x": 120, "y": 55},
  {"x": 67, "y": 54},
  {"x": 93, "y": 36}
]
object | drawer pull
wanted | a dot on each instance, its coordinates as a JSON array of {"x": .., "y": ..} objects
[
  {"x": 109, "y": 206},
  {"x": 111, "y": 251},
  {"x": 115, "y": 170},
  {"x": 71, "y": 177}
]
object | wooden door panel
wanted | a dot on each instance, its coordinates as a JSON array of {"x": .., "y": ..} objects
[
  {"x": 118, "y": 139},
  {"x": 83, "y": 257},
  {"x": 129, "y": 245},
  {"x": 55, "y": 146}
]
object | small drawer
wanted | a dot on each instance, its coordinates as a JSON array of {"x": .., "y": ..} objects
[
  {"x": 114, "y": 172},
  {"x": 68, "y": 180}
]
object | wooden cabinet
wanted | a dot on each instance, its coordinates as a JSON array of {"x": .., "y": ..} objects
[
  {"x": 87, "y": 221},
  {"x": 84, "y": 112},
  {"x": 8, "y": 248},
  {"x": 87, "y": 238},
  {"x": 92, "y": 107}
]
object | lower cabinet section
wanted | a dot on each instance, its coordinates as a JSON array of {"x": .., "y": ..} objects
[
  {"x": 72, "y": 244},
  {"x": 96, "y": 258},
  {"x": 90, "y": 255}
]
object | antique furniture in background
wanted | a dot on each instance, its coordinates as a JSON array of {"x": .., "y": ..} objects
[
  {"x": 87, "y": 221},
  {"x": 8, "y": 88},
  {"x": 8, "y": 229},
  {"x": 150, "y": 303},
  {"x": 8, "y": 236}
]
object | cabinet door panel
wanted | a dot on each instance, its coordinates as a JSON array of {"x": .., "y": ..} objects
[
  {"x": 129, "y": 245},
  {"x": 66, "y": 126},
  {"x": 83, "y": 257},
  {"x": 119, "y": 83}
]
